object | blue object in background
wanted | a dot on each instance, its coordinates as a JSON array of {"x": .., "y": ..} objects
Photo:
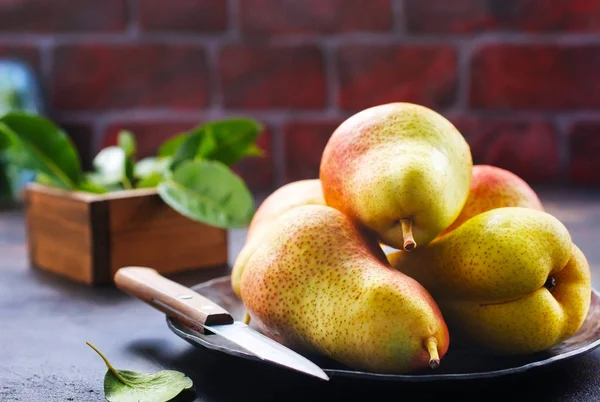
[{"x": 19, "y": 90}]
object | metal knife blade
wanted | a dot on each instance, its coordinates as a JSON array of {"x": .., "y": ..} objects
[
  {"x": 266, "y": 348},
  {"x": 192, "y": 309}
]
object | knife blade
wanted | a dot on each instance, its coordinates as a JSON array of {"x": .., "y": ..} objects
[{"x": 198, "y": 312}]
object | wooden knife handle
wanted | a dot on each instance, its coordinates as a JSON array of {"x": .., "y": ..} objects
[{"x": 177, "y": 301}]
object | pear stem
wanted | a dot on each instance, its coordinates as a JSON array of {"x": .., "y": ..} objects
[
  {"x": 407, "y": 235},
  {"x": 434, "y": 357},
  {"x": 246, "y": 318}
]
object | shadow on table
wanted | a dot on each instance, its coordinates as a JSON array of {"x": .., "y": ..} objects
[{"x": 219, "y": 377}]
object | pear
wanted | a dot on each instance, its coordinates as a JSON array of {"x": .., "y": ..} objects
[
  {"x": 493, "y": 187},
  {"x": 400, "y": 169},
  {"x": 289, "y": 196},
  {"x": 509, "y": 280},
  {"x": 315, "y": 283}
]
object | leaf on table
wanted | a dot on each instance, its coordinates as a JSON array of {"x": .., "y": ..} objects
[
  {"x": 43, "y": 147},
  {"x": 169, "y": 147},
  {"x": 129, "y": 386},
  {"x": 208, "y": 192},
  {"x": 126, "y": 141}
]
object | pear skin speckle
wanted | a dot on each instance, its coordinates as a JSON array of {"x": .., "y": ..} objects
[
  {"x": 489, "y": 276},
  {"x": 397, "y": 161},
  {"x": 493, "y": 187},
  {"x": 315, "y": 282}
]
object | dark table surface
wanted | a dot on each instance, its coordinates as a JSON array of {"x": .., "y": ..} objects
[{"x": 45, "y": 321}]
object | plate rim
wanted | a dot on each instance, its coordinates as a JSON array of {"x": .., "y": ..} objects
[{"x": 198, "y": 341}]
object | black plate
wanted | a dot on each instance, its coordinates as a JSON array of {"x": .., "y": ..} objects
[{"x": 456, "y": 365}]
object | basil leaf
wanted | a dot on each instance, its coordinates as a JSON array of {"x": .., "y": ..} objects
[
  {"x": 43, "y": 147},
  {"x": 187, "y": 150},
  {"x": 92, "y": 187},
  {"x": 110, "y": 165},
  {"x": 126, "y": 141},
  {"x": 150, "y": 165},
  {"x": 231, "y": 137},
  {"x": 169, "y": 147},
  {"x": 208, "y": 192},
  {"x": 129, "y": 386},
  {"x": 150, "y": 181},
  {"x": 253, "y": 150}
]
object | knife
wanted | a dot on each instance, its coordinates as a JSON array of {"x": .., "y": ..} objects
[{"x": 196, "y": 311}]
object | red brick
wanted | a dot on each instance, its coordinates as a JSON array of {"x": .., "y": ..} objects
[
  {"x": 57, "y": 16},
  {"x": 27, "y": 54},
  {"x": 544, "y": 77},
  {"x": 257, "y": 172},
  {"x": 526, "y": 148},
  {"x": 584, "y": 145},
  {"x": 304, "y": 144},
  {"x": 371, "y": 75},
  {"x": 262, "y": 76},
  {"x": 100, "y": 77},
  {"x": 314, "y": 16},
  {"x": 462, "y": 16},
  {"x": 149, "y": 134},
  {"x": 183, "y": 15},
  {"x": 82, "y": 136}
]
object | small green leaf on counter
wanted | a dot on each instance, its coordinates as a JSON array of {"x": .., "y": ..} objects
[
  {"x": 129, "y": 386},
  {"x": 92, "y": 187},
  {"x": 126, "y": 142},
  {"x": 43, "y": 147},
  {"x": 208, "y": 192}
]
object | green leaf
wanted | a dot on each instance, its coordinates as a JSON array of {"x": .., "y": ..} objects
[
  {"x": 92, "y": 187},
  {"x": 208, "y": 192},
  {"x": 43, "y": 148},
  {"x": 187, "y": 150},
  {"x": 150, "y": 181},
  {"x": 253, "y": 150},
  {"x": 232, "y": 138},
  {"x": 150, "y": 165},
  {"x": 169, "y": 147},
  {"x": 129, "y": 386},
  {"x": 110, "y": 166},
  {"x": 126, "y": 142}
]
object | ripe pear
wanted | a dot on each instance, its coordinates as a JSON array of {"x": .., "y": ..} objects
[
  {"x": 400, "y": 169},
  {"x": 493, "y": 187},
  {"x": 315, "y": 283},
  {"x": 289, "y": 196},
  {"x": 509, "y": 280}
]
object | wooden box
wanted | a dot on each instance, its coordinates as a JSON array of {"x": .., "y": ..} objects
[{"x": 87, "y": 237}]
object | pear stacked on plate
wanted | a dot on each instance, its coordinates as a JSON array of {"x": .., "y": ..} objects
[{"x": 477, "y": 257}]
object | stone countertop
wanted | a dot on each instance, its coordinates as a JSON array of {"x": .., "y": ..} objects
[{"x": 47, "y": 319}]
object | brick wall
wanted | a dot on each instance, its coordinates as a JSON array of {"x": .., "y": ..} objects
[{"x": 520, "y": 78}]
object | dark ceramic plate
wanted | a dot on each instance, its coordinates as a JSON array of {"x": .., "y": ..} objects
[{"x": 456, "y": 365}]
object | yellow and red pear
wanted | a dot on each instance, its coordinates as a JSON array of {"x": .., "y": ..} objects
[
  {"x": 493, "y": 187},
  {"x": 400, "y": 169},
  {"x": 316, "y": 282}
]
